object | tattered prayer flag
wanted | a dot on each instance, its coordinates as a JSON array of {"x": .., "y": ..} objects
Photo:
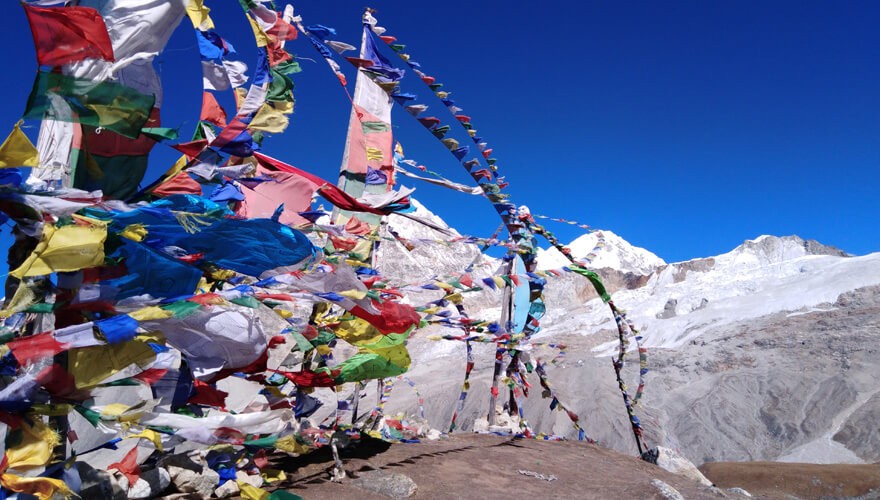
[
  {"x": 109, "y": 105},
  {"x": 40, "y": 487},
  {"x": 33, "y": 446},
  {"x": 18, "y": 151},
  {"x": 64, "y": 35},
  {"x": 69, "y": 248}
]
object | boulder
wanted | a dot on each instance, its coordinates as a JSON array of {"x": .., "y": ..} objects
[
  {"x": 191, "y": 475},
  {"x": 151, "y": 483},
  {"x": 673, "y": 461},
  {"x": 227, "y": 489},
  {"x": 391, "y": 485}
]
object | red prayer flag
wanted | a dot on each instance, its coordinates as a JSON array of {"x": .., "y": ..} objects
[
  {"x": 34, "y": 347},
  {"x": 208, "y": 395},
  {"x": 64, "y": 35},
  {"x": 181, "y": 183},
  {"x": 282, "y": 30},
  {"x": 211, "y": 110},
  {"x": 128, "y": 466},
  {"x": 393, "y": 317},
  {"x": 357, "y": 226}
]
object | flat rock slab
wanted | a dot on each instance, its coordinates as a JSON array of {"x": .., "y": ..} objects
[{"x": 485, "y": 467}]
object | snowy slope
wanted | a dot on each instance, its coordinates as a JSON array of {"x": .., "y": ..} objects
[{"x": 762, "y": 276}]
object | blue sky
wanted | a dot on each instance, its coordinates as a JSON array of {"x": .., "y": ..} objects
[{"x": 685, "y": 127}]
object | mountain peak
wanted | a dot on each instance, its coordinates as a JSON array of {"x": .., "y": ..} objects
[
  {"x": 773, "y": 249},
  {"x": 609, "y": 249}
]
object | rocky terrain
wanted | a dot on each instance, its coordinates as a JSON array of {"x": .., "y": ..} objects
[{"x": 767, "y": 352}]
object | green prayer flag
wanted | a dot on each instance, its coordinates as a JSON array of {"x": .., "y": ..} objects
[
  {"x": 159, "y": 134},
  {"x": 283, "y": 495},
  {"x": 302, "y": 343},
  {"x": 182, "y": 308},
  {"x": 370, "y": 127},
  {"x": 280, "y": 88},
  {"x": 266, "y": 442},
  {"x": 108, "y": 105},
  {"x": 378, "y": 363},
  {"x": 594, "y": 279},
  {"x": 247, "y": 301},
  {"x": 91, "y": 415}
]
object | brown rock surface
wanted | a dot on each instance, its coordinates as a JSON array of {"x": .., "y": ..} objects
[
  {"x": 487, "y": 467},
  {"x": 774, "y": 480}
]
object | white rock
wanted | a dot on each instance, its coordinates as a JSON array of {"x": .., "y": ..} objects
[
  {"x": 151, "y": 483},
  {"x": 191, "y": 475},
  {"x": 666, "y": 492},
  {"x": 672, "y": 461},
  {"x": 227, "y": 489}
]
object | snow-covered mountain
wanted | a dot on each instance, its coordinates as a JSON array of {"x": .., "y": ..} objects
[
  {"x": 610, "y": 251},
  {"x": 766, "y": 352}
]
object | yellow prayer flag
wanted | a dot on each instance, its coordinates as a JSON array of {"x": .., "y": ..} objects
[
  {"x": 455, "y": 298},
  {"x": 151, "y": 313},
  {"x": 44, "y": 488},
  {"x": 262, "y": 39},
  {"x": 269, "y": 119},
  {"x": 251, "y": 492},
  {"x": 113, "y": 410},
  {"x": 134, "y": 232},
  {"x": 362, "y": 249},
  {"x": 354, "y": 294},
  {"x": 374, "y": 154},
  {"x": 150, "y": 434},
  {"x": 289, "y": 444},
  {"x": 198, "y": 15},
  {"x": 357, "y": 332},
  {"x": 23, "y": 298},
  {"x": 69, "y": 248},
  {"x": 92, "y": 365},
  {"x": 177, "y": 168},
  {"x": 18, "y": 151},
  {"x": 34, "y": 446},
  {"x": 273, "y": 475},
  {"x": 285, "y": 107}
]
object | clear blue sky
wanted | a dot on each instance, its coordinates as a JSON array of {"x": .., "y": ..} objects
[{"x": 685, "y": 127}]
